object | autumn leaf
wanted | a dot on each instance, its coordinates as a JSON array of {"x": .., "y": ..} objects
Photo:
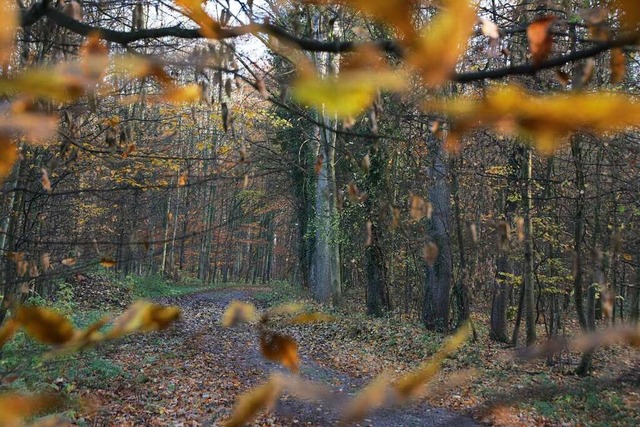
[
  {"x": 373, "y": 396},
  {"x": 8, "y": 156},
  {"x": 44, "y": 325},
  {"x": 418, "y": 208},
  {"x": 10, "y": 24},
  {"x": 410, "y": 384},
  {"x": 546, "y": 120},
  {"x": 46, "y": 183},
  {"x": 489, "y": 28},
  {"x": 68, "y": 262},
  {"x": 62, "y": 83},
  {"x": 239, "y": 312},
  {"x": 143, "y": 316},
  {"x": 252, "y": 402},
  {"x": 187, "y": 94},
  {"x": 617, "y": 66},
  {"x": 430, "y": 253},
  {"x": 280, "y": 348},
  {"x": 194, "y": 10},
  {"x": 108, "y": 262},
  {"x": 182, "y": 179},
  {"x": 15, "y": 407},
  {"x": 347, "y": 94},
  {"x": 540, "y": 40},
  {"x": 94, "y": 56},
  {"x": 35, "y": 127},
  {"x": 441, "y": 43},
  {"x": 630, "y": 13}
]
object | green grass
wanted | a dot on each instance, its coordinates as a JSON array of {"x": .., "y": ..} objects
[
  {"x": 150, "y": 287},
  {"x": 279, "y": 292}
]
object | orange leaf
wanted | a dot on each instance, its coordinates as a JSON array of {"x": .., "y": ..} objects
[
  {"x": 443, "y": 41},
  {"x": 617, "y": 66},
  {"x": 45, "y": 325},
  {"x": 108, "y": 262},
  {"x": 46, "y": 183},
  {"x": 10, "y": 23},
  {"x": 194, "y": 10},
  {"x": 540, "y": 40},
  {"x": 15, "y": 407},
  {"x": 68, "y": 262},
  {"x": 280, "y": 348},
  {"x": 8, "y": 156},
  {"x": 630, "y": 15}
]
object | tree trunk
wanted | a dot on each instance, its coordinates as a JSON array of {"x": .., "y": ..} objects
[
  {"x": 438, "y": 276},
  {"x": 529, "y": 294}
]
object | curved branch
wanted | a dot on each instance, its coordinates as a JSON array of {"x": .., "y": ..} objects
[
  {"x": 41, "y": 9},
  {"x": 529, "y": 69}
]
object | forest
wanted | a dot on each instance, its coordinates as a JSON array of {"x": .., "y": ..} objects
[{"x": 319, "y": 212}]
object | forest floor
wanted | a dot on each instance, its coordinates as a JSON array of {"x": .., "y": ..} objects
[{"x": 193, "y": 373}]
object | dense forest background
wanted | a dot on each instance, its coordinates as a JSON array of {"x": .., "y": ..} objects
[{"x": 439, "y": 163}]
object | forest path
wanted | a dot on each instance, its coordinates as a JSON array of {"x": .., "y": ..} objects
[{"x": 191, "y": 376}]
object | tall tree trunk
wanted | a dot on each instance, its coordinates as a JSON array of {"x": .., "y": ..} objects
[
  {"x": 325, "y": 265},
  {"x": 438, "y": 276},
  {"x": 529, "y": 294}
]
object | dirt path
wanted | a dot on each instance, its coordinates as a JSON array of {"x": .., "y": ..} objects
[{"x": 190, "y": 376}]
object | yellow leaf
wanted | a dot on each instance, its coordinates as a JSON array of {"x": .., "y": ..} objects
[
  {"x": 62, "y": 83},
  {"x": 143, "y": 316},
  {"x": 255, "y": 400},
  {"x": 443, "y": 41},
  {"x": 45, "y": 325},
  {"x": 280, "y": 348},
  {"x": 194, "y": 10},
  {"x": 188, "y": 94},
  {"x": 410, "y": 384},
  {"x": 8, "y": 156},
  {"x": 10, "y": 24},
  {"x": 15, "y": 407},
  {"x": 371, "y": 397},
  {"x": 347, "y": 95},
  {"x": 547, "y": 120},
  {"x": 239, "y": 312}
]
